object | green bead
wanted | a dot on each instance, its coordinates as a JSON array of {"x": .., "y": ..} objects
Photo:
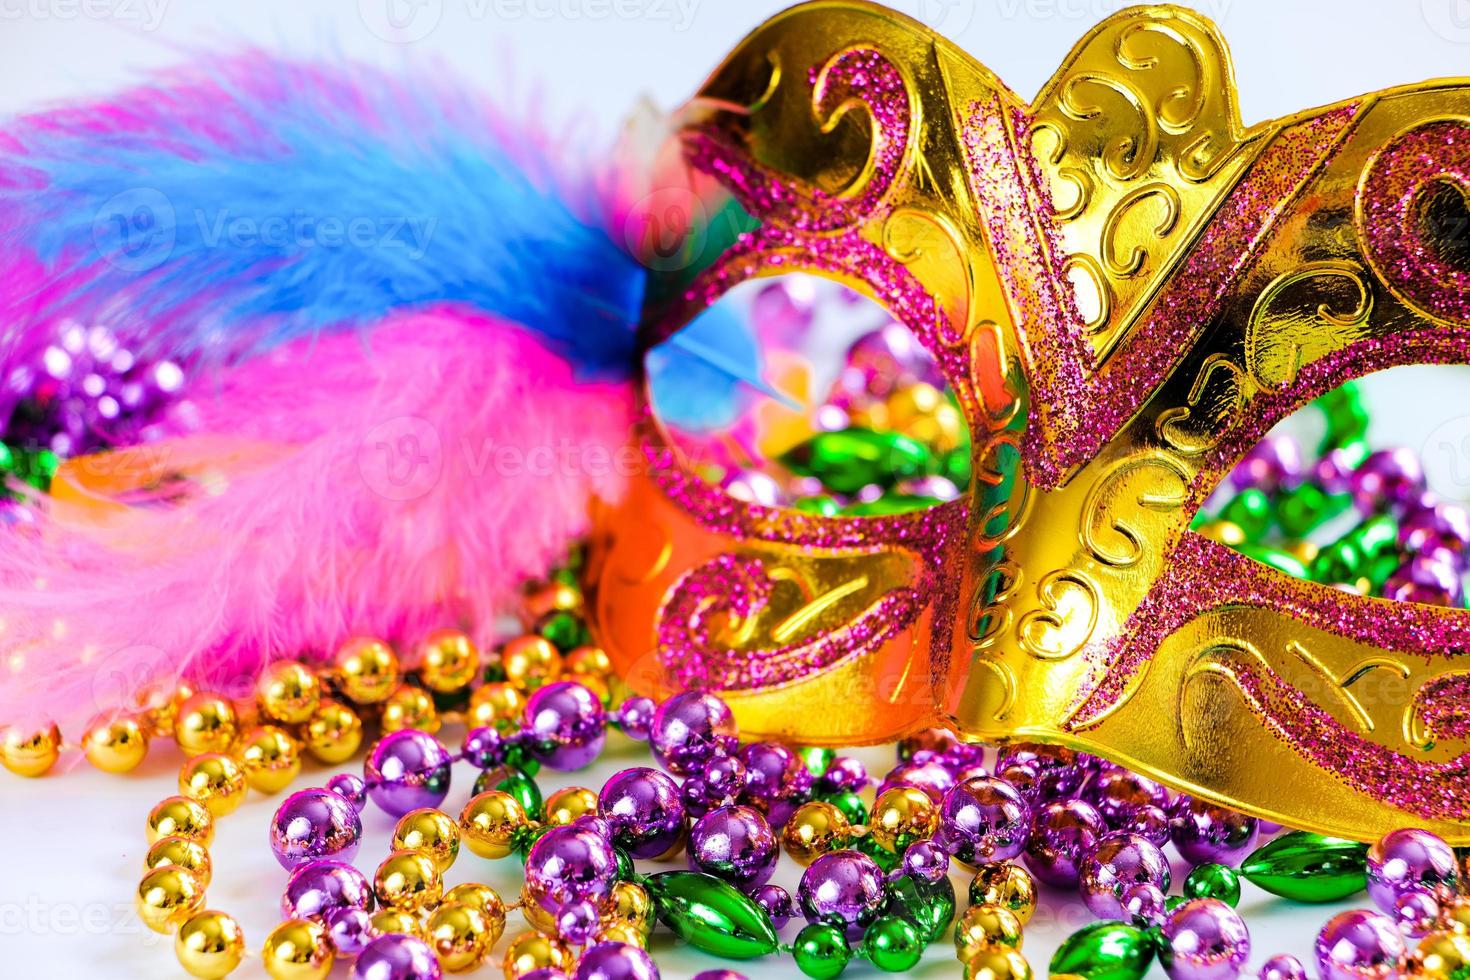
[
  {"x": 821, "y": 505},
  {"x": 523, "y": 838},
  {"x": 565, "y": 630},
  {"x": 816, "y": 759},
  {"x": 1105, "y": 951},
  {"x": 1346, "y": 416},
  {"x": 1307, "y": 867},
  {"x": 711, "y": 915},
  {"x": 524, "y": 789},
  {"x": 849, "y": 460},
  {"x": 1173, "y": 902},
  {"x": 890, "y": 503},
  {"x": 1250, "y": 510},
  {"x": 885, "y": 859},
  {"x": 930, "y": 906},
  {"x": 956, "y": 467},
  {"x": 1306, "y": 507},
  {"x": 821, "y": 951},
  {"x": 1338, "y": 562},
  {"x": 893, "y": 944},
  {"x": 1213, "y": 881},
  {"x": 518, "y": 756},
  {"x": 1276, "y": 558},
  {"x": 851, "y": 805},
  {"x": 626, "y": 870}
]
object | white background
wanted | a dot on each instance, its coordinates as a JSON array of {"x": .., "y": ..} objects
[{"x": 70, "y": 845}]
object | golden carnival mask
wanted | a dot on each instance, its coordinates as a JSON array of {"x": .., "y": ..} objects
[{"x": 1232, "y": 274}]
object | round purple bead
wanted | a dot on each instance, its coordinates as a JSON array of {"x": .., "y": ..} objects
[
  {"x": 1119, "y": 861},
  {"x": 688, "y": 729},
  {"x": 724, "y": 777},
  {"x": 566, "y": 725},
  {"x": 1205, "y": 833},
  {"x": 1416, "y": 913},
  {"x": 1440, "y": 529},
  {"x": 397, "y": 957},
  {"x": 720, "y": 975},
  {"x": 570, "y": 864},
  {"x": 734, "y": 843},
  {"x": 1272, "y": 464},
  {"x": 844, "y": 775},
  {"x": 615, "y": 961},
  {"x": 643, "y": 809},
  {"x": 635, "y": 717},
  {"x": 1117, "y": 793},
  {"x": 318, "y": 887},
  {"x": 407, "y": 770},
  {"x": 1055, "y": 767},
  {"x": 1386, "y": 480},
  {"x": 1062, "y": 834},
  {"x": 350, "y": 786},
  {"x": 1149, "y": 822},
  {"x": 483, "y": 748},
  {"x": 926, "y": 861},
  {"x": 1144, "y": 905},
  {"x": 1405, "y": 861},
  {"x": 1283, "y": 967},
  {"x": 1360, "y": 945},
  {"x": 930, "y": 775},
  {"x": 984, "y": 820},
  {"x": 844, "y": 888},
  {"x": 1432, "y": 579},
  {"x": 577, "y": 922},
  {"x": 1205, "y": 939},
  {"x": 777, "y": 903},
  {"x": 349, "y": 929},
  {"x": 314, "y": 823}
]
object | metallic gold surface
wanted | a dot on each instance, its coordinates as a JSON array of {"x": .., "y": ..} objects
[{"x": 1129, "y": 288}]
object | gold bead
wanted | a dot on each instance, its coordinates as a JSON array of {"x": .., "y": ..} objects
[
  {"x": 566, "y": 805},
  {"x": 902, "y": 814},
  {"x": 484, "y": 898},
  {"x": 288, "y": 692},
  {"x": 921, "y": 411},
  {"x": 386, "y": 921},
  {"x": 408, "y": 880},
  {"x": 180, "y": 852},
  {"x": 535, "y": 914},
  {"x": 1454, "y": 915},
  {"x": 489, "y": 822},
  {"x": 270, "y": 757},
  {"x": 813, "y": 830},
  {"x": 986, "y": 927},
  {"x": 334, "y": 733},
  {"x": 998, "y": 963},
  {"x": 460, "y": 935},
  {"x": 206, "y": 723},
  {"x": 30, "y": 753},
  {"x": 621, "y": 932},
  {"x": 117, "y": 746},
  {"x": 179, "y": 816},
  {"x": 530, "y": 661},
  {"x": 448, "y": 661},
  {"x": 298, "y": 949},
  {"x": 588, "y": 662},
  {"x": 533, "y": 951},
  {"x": 367, "y": 670},
  {"x": 410, "y": 707},
  {"x": 432, "y": 831},
  {"x": 497, "y": 705},
  {"x": 167, "y": 896},
  {"x": 214, "y": 779},
  {"x": 1442, "y": 955},
  {"x": 552, "y": 597},
  {"x": 1227, "y": 533},
  {"x": 1304, "y": 551},
  {"x": 210, "y": 945},
  {"x": 1008, "y": 885},
  {"x": 630, "y": 904}
]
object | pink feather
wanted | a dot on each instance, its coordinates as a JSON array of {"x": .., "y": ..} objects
[{"x": 389, "y": 483}]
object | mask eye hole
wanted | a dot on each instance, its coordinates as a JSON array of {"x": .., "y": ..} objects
[{"x": 797, "y": 391}]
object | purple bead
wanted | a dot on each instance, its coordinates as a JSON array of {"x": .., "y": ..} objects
[
  {"x": 771, "y": 770},
  {"x": 615, "y": 961},
  {"x": 566, "y": 724},
  {"x": 777, "y": 903},
  {"x": 1062, "y": 834},
  {"x": 784, "y": 309},
  {"x": 931, "y": 776},
  {"x": 1119, "y": 861},
  {"x": 688, "y": 729},
  {"x": 407, "y": 770},
  {"x": 1405, "y": 861},
  {"x": 1431, "y": 579},
  {"x": 643, "y": 809},
  {"x": 350, "y": 930},
  {"x": 635, "y": 717},
  {"x": 576, "y": 922},
  {"x": 1386, "y": 480},
  {"x": 1272, "y": 464},
  {"x": 724, "y": 777},
  {"x": 754, "y": 487},
  {"x": 1148, "y": 822},
  {"x": 1144, "y": 905},
  {"x": 397, "y": 957},
  {"x": 1283, "y": 967},
  {"x": 483, "y": 748},
  {"x": 720, "y": 975},
  {"x": 1205, "y": 939},
  {"x": 1360, "y": 945},
  {"x": 318, "y": 887},
  {"x": 734, "y": 843},
  {"x": 545, "y": 973},
  {"x": 349, "y": 786},
  {"x": 844, "y": 888},
  {"x": 314, "y": 823},
  {"x": 983, "y": 820},
  {"x": 1117, "y": 793},
  {"x": 570, "y": 864},
  {"x": 697, "y": 797},
  {"x": 926, "y": 861},
  {"x": 1057, "y": 772},
  {"x": 844, "y": 775},
  {"x": 1416, "y": 913},
  {"x": 1442, "y": 528},
  {"x": 1206, "y": 833}
]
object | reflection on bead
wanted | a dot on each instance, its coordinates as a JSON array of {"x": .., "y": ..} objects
[
  {"x": 489, "y": 823},
  {"x": 901, "y": 815},
  {"x": 816, "y": 828},
  {"x": 30, "y": 753},
  {"x": 1442, "y": 956},
  {"x": 210, "y": 945},
  {"x": 298, "y": 950},
  {"x": 984, "y": 927},
  {"x": 460, "y": 935},
  {"x": 367, "y": 670},
  {"x": 205, "y": 723},
  {"x": 497, "y": 705},
  {"x": 484, "y": 898},
  {"x": 179, "y": 816},
  {"x": 214, "y": 779},
  {"x": 182, "y": 852},
  {"x": 385, "y": 921},
  {"x": 270, "y": 757},
  {"x": 167, "y": 896},
  {"x": 631, "y": 904},
  {"x": 448, "y": 661},
  {"x": 566, "y": 805},
  {"x": 334, "y": 733},
  {"x": 409, "y": 707},
  {"x": 408, "y": 880},
  {"x": 533, "y": 951},
  {"x": 431, "y": 831},
  {"x": 530, "y": 662},
  {"x": 1006, "y": 885},
  {"x": 118, "y": 746},
  {"x": 998, "y": 964},
  {"x": 288, "y": 692}
]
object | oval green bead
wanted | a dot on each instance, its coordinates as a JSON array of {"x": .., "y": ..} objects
[
  {"x": 565, "y": 630},
  {"x": 885, "y": 859},
  {"x": 525, "y": 790},
  {"x": 1105, "y": 951},
  {"x": 1307, "y": 867},
  {"x": 851, "y": 805},
  {"x": 1250, "y": 510},
  {"x": 930, "y": 906},
  {"x": 711, "y": 915},
  {"x": 851, "y": 459},
  {"x": 821, "y": 951},
  {"x": 892, "y": 944},
  {"x": 1213, "y": 881},
  {"x": 817, "y": 759},
  {"x": 821, "y": 505},
  {"x": 1276, "y": 558},
  {"x": 1340, "y": 561},
  {"x": 956, "y": 467},
  {"x": 1306, "y": 507}
]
